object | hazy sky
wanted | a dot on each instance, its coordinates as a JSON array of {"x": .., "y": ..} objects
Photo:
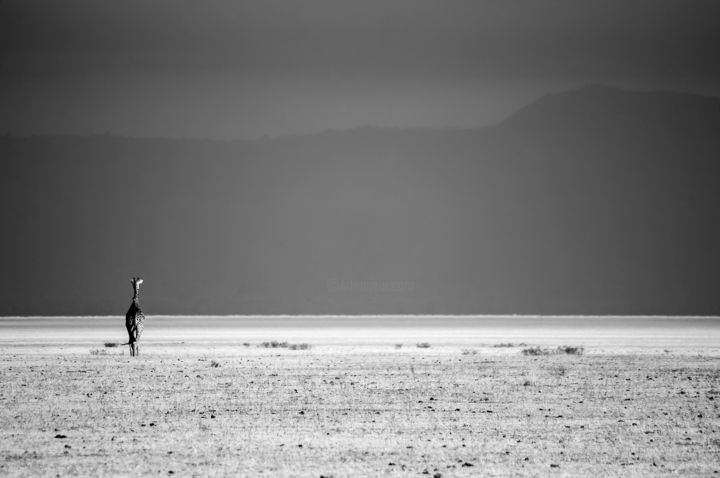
[{"x": 243, "y": 69}]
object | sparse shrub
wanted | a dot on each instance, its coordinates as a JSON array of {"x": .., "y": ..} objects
[
  {"x": 504, "y": 344},
  {"x": 398, "y": 346},
  {"x": 528, "y": 383},
  {"x": 111, "y": 344},
  {"x": 246, "y": 344},
  {"x": 469, "y": 352},
  {"x": 299, "y": 346},
  {"x": 214, "y": 364},
  {"x": 423, "y": 345},
  {"x": 98, "y": 352},
  {"x": 563, "y": 349},
  {"x": 274, "y": 344}
]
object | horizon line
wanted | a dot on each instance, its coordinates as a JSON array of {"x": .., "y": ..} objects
[
  {"x": 376, "y": 316},
  {"x": 263, "y": 138}
]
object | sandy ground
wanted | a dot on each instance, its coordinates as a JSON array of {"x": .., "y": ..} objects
[
  {"x": 364, "y": 334},
  {"x": 357, "y": 405}
]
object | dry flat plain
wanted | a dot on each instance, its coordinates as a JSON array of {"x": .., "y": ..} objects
[{"x": 465, "y": 403}]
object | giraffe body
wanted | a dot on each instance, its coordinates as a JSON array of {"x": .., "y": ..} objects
[{"x": 134, "y": 319}]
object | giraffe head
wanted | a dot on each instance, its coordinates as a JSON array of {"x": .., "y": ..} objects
[{"x": 136, "y": 281}]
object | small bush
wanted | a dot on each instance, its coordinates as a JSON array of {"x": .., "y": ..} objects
[
  {"x": 563, "y": 349},
  {"x": 398, "y": 346},
  {"x": 214, "y": 364},
  {"x": 509, "y": 344},
  {"x": 423, "y": 345},
  {"x": 111, "y": 344},
  {"x": 469, "y": 352},
  {"x": 246, "y": 344},
  {"x": 299, "y": 346},
  {"x": 283, "y": 345},
  {"x": 528, "y": 383},
  {"x": 274, "y": 344}
]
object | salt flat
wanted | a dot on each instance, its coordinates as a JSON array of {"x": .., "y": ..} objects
[
  {"x": 367, "y": 333},
  {"x": 213, "y": 398}
]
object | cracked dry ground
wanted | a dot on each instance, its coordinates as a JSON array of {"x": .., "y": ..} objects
[{"x": 310, "y": 413}]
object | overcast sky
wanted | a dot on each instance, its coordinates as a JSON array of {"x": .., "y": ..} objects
[{"x": 241, "y": 69}]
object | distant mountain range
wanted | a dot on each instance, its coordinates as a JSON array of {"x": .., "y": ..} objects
[{"x": 593, "y": 201}]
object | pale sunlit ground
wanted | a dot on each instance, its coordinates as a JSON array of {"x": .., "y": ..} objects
[{"x": 212, "y": 400}]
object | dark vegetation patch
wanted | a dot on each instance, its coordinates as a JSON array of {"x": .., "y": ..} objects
[
  {"x": 274, "y": 344},
  {"x": 299, "y": 346},
  {"x": 563, "y": 349}
]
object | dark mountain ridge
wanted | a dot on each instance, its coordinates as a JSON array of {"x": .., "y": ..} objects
[{"x": 594, "y": 201}]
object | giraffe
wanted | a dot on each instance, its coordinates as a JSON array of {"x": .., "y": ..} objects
[{"x": 134, "y": 319}]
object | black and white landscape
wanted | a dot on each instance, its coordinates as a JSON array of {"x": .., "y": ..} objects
[{"x": 375, "y": 238}]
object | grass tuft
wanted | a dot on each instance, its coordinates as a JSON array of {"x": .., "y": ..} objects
[
  {"x": 423, "y": 345},
  {"x": 563, "y": 349},
  {"x": 274, "y": 344},
  {"x": 299, "y": 346}
]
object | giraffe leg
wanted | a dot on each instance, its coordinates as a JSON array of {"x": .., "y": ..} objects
[
  {"x": 131, "y": 348},
  {"x": 137, "y": 349}
]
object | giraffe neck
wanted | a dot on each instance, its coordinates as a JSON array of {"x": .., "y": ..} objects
[{"x": 136, "y": 295}]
